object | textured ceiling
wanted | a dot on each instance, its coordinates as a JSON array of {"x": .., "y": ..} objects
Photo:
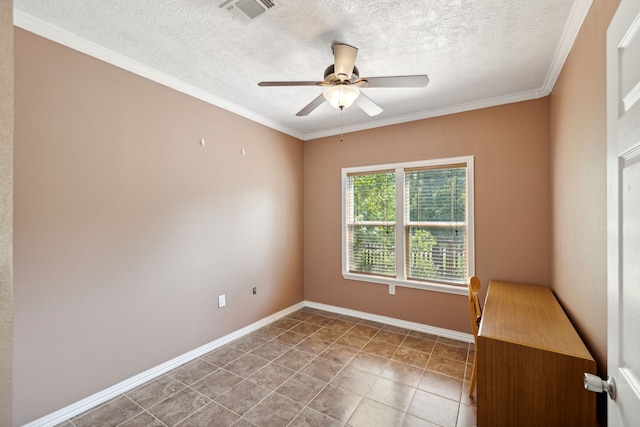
[{"x": 476, "y": 52}]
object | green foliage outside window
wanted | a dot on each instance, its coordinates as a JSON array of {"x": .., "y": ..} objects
[
  {"x": 374, "y": 212},
  {"x": 374, "y": 197},
  {"x": 437, "y": 195}
]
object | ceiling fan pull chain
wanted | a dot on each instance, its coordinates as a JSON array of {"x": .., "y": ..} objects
[{"x": 341, "y": 133}]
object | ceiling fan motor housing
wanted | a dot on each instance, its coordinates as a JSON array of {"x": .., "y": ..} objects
[{"x": 331, "y": 77}]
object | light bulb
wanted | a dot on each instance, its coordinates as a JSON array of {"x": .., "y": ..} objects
[{"x": 341, "y": 96}]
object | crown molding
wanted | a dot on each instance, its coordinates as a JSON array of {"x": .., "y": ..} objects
[
  {"x": 459, "y": 108},
  {"x": 574, "y": 24},
  {"x": 72, "y": 41}
]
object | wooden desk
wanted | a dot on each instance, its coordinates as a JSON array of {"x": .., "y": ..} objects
[{"x": 531, "y": 361}]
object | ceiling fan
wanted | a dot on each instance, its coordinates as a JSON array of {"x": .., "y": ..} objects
[{"x": 344, "y": 83}]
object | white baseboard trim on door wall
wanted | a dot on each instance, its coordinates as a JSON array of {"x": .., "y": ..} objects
[{"x": 103, "y": 396}]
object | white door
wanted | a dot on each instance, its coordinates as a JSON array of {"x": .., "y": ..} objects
[{"x": 623, "y": 212}]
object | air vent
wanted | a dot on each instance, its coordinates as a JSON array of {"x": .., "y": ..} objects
[{"x": 248, "y": 10}]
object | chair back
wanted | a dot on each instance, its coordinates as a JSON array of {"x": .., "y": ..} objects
[
  {"x": 475, "y": 315},
  {"x": 475, "y": 312}
]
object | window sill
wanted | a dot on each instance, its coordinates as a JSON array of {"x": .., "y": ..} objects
[{"x": 435, "y": 287}]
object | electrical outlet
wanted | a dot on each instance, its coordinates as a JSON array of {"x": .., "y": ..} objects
[
  {"x": 255, "y": 290},
  {"x": 222, "y": 301},
  {"x": 392, "y": 289}
]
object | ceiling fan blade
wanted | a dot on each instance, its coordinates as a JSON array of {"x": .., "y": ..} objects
[
  {"x": 311, "y": 106},
  {"x": 367, "y": 105},
  {"x": 395, "y": 81},
  {"x": 344, "y": 60},
  {"x": 302, "y": 83}
]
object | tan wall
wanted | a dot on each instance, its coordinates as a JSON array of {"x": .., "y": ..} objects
[
  {"x": 512, "y": 205},
  {"x": 6, "y": 209},
  {"x": 578, "y": 159},
  {"x": 127, "y": 230}
]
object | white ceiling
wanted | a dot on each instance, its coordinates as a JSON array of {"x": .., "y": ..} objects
[{"x": 477, "y": 53}]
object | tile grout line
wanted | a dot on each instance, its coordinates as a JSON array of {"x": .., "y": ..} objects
[
  {"x": 299, "y": 371},
  {"x": 327, "y": 383},
  {"x": 360, "y": 350},
  {"x": 405, "y": 413}
]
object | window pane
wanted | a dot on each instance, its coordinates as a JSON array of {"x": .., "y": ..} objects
[
  {"x": 436, "y": 242},
  {"x": 371, "y": 209},
  {"x": 437, "y": 253},
  {"x": 373, "y": 250},
  {"x": 437, "y": 195},
  {"x": 374, "y": 197}
]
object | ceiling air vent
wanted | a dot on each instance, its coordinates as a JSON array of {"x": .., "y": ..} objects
[{"x": 248, "y": 10}]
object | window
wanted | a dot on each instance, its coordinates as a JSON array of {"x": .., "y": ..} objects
[{"x": 409, "y": 224}]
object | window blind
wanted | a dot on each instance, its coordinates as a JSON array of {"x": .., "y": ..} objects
[{"x": 436, "y": 224}]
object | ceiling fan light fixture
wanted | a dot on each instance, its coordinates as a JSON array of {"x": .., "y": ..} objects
[{"x": 341, "y": 96}]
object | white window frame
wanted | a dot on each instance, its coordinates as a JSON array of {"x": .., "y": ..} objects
[{"x": 401, "y": 218}]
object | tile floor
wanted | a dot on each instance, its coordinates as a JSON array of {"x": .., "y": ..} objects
[{"x": 310, "y": 368}]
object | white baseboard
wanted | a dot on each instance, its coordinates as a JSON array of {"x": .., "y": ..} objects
[
  {"x": 100, "y": 397},
  {"x": 447, "y": 333}
]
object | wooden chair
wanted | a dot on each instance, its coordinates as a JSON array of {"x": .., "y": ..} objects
[{"x": 475, "y": 315}]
